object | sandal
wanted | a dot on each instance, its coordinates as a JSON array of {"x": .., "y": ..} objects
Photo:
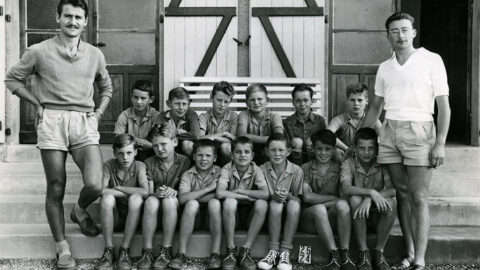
[
  {"x": 418, "y": 267},
  {"x": 404, "y": 264}
]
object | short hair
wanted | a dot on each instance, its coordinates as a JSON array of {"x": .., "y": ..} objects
[
  {"x": 278, "y": 137},
  {"x": 205, "y": 143},
  {"x": 325, "y": 136},
  {"x": 357, "y": 88},
  {"x": 178, "y": 92},
  {"x": 399, "y": 16},
  {"x": 241, "y": 140},
  {"x": 122, "y": 140},
  {"x": 144, "y": 86},
  {"x": 255, "y": 87},
  {"x": 224, "y": 87},
  {"x": 164, "y": 129},
  {"x": 302, "y": 87},
  {"x": 76, "y": 3},
  {"x": 366, "y": 133}
]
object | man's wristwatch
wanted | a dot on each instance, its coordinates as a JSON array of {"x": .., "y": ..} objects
[{"x": 100, "y": 111}]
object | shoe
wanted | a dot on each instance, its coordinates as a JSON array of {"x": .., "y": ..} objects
[
  {"x": 284, "y": 261},
  {"x": 364, "y": 260},
  {"x": 334, "y": 261},
  {"x": 404, "y": 264},
  {"x": 214, "y": 261},
  {"x": 178, "y": 262},
  {"x": 246, "y": 262},
  {"x": 87, "y": 225},
  {"x": 124, "y": 260},
  {"x": 65, "y": 262},
  {"x": 269, "y": 261},
  {"x": 106, "y": 262},
  {"x": 345, "y": 261},
  {"x": 417, "y": 267},
  {"x": 145, "y": 262},
  {"x": 163, "y": 258},
  {"x": 230, "y": 261},
  {"x": 379, "y": 261}
]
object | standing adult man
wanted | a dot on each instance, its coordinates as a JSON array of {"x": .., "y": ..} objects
[
  {"x": 63, "y": 71},
  {"x": 408, "y": 84}
]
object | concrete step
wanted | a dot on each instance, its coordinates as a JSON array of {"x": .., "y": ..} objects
[
  {"x": 444, "y": 211},
  {"x": 447, "y": 245},
  {"x": 29, "y": 153}
]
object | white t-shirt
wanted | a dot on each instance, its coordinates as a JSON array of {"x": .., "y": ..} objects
[{"x": 409, "y": 90}]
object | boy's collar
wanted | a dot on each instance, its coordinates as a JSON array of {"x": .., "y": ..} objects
[
  {"x": 358, "y": 164},
  {"x": 212, "y": 170},
  {"x": 131, "y": 112},
  {"x": 288, "y": 168},
  {"x": 266, "y": 115},
  {"x": 169, "y": 114},
  {"x": 310, "y": 117},
  {"x": 316, "y": 164}
]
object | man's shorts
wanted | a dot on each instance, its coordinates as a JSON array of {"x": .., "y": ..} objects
[
  {"x": 66, "y": 130},
  {"x": 407, "y": 142}
]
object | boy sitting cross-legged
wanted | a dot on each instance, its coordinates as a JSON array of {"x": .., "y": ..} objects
[
  {"x": 165, "y": 170},
  {"x": 197, "y": 193},
  {"x": 366, "y": 181},
  {"x": 243, "y": 187},
  {"x": 284, "y": 181},
  {"x": 124, "y": 184},
  {"x": 321, "y": 179}
]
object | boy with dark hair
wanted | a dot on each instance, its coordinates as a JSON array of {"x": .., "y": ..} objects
[
  {"x": 138, "y": 120},
  {"x": 244, "y": 190},
  {"x": 366, "y": 181}
]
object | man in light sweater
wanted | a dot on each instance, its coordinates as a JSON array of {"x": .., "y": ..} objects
[{"x": 63, "y": 70}]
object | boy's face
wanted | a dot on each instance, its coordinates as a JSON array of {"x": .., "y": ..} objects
[
  {"x": 323, "y": 152},
  {"x": 221, "y": 102},
  {"x": 401, "y": 34},
  {"x": 125, "y": 155},
  {"x": 278, "y": 152},
  {"x": 257, "y": 102},
  {"x": 204, "y": 158},
  {"x": 366, "y": 150},
  {"x": 72, "y": 21},
  {"x": 242, "y": 155},
  {"x": 356, "y": 103},
  {"x": 179, "y": 106},
  {"x": 302, "y": 102},
  {"x": 163, "y": 146},
  {"x": 141, "y": 100}
]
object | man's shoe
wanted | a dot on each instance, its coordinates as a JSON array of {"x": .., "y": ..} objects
[
  {"x": 345, "y": 261},
  {"x": 163, "y": 258},
  {"x": 334, "y": 261},
  {"x": 87, "y": 225},
  {"x": 65, "y": 262},
  {"x": 246, "y": 262},
  {"x": 364, "y": 260},
  {"x": 106, "y": 262},
  {"x": 379, "y": 261},
  {"x": 178, "y": 262},
  {"x": 269, "y": 261},
  {"x": 214, "y": 261},
  {"x": 284, "y": 261},
  {"x": 230, "y": 261},
  {"x": 145, "y": 263},
  {"x": 124, "y": 260}
]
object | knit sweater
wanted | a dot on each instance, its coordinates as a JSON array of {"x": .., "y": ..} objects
[{"x": 59, "y": 81}]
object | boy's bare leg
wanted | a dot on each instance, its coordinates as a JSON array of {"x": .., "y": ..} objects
[
  {"x": 187, "y": 223},
  {"x": 359, "y": 225},
  {"x": 229, "y": 210},
  {"x": 54, "y": 167},
  {"x": 169, "y": 220},
  {"x": 291, "y": 221},
  {"x": 385, "y": 224},
  {"x": 275, "y": 210},
  {"x": 107, "y": 203},
  {"x": 135, "y": 202},
  {"x": 187, "y": 148},
  {"x": 418, "y": 184},
  {"x": 149, "y": 220},
  {"x": 215, "y": 220},
  {"x": 322, "y": 226},
  {"x": 260, "y": 209},
  {"x": 344, "y": 223}
]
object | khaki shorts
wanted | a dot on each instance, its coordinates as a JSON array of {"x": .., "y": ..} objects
[
  {"x": 407, "y": 142},
  {"x": 66, "y": 130}
]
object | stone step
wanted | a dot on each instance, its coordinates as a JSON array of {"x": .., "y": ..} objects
[
  {"x": 445, "y": 211},
  {"x": 447, "y": 245}
]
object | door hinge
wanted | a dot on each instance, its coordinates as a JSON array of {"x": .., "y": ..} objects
[
  {"x": 326, "y": 18},
  {"x": 1, "y": 10}
]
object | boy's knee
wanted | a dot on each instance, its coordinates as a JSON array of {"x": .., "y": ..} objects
[
  {"x": 275, "y": 207},
  {"x": 297, "y": 144},
  {"x": 225, "y": 149},
  {"x": 260, "y": 207},
  {"x": 293, "y": 207},
  {"x": 107, "y": 201},
  {"x": 135, "y": 201},
  {"x": 187, "y": 147},
  {"x": 169, "y": 203},
  {"x": 355, "y": 201},
  {"x": 342, "y": 207},
  {"x": 214, "y": 206},
  {"x": 320, "y": 211},
  {"x": 151, "y": 204},
  {"x": 191, "y": 207},
  {"x": 230, "y": 205}
]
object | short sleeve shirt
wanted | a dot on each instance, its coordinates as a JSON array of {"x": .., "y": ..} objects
[
  {"x": 137, "y": 174},
  {"x": 161, "y": 176},
  {"x": 265, "y": 127},
  {"x": 296, "y": 128},
  {"x": 346, "y": 127},
  {"x": 189, "y": 122},
  {"x": 353, "y": 174},
  {"x": 127, "y": 123},
  {"x": 209, "y": 124},
  {"x": 192, "y": 181},
  {"x": 323, "y": 184},
  {"x": 291, "y": 179},
  {"x": 253, "y": 179}
]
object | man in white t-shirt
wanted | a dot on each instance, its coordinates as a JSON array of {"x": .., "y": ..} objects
[{"x": 408, "y": 84}]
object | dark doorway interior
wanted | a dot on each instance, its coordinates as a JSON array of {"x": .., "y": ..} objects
[{"x": 444, "y": 30}]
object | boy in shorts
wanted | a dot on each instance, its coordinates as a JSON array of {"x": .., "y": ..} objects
[
  {"x": 125, "y": 184},
  {"x": 366, "y": 181},
  {"x": 138, "y": 119},
  {"x": 244, "y": 190},
  {"x": 284, "y": 182},
  {"x": 220, "y": 123},
  {"x": 321, "y": 179},
  {"x": 182, "y": 118},
  {"x": 164, "y": 170},
  {"x": 300, "y": 125},
  {"x": 197, "y": 194}
]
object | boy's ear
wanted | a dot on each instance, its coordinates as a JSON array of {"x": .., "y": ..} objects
[
  {"x": 169, "y": 103},
  {"x": 152, "y": 98},
  {"x": 135, "y": 152},
  {"x": 175, "y": 141},
  {"x": 289, "y": 151}
]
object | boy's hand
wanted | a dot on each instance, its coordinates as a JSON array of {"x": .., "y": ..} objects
[
  {"x": 280, "y": 195},
  {"x": 181, "y": 131},
  {"x": 363, "y": 209},
  {"x": 437, "y": 155},
  {"x": 380, "y": 202},
  {"x": 170, "y": 192},
  {"x": 160, "y": 192},
  {"x": 142, "y": 143},
  {"x": 228, "y": 135}
]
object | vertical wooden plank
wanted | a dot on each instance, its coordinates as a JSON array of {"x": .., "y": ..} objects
[
  {"x": 221, "y": 53},
  {"x": 255, "y": 44},
  {"x": 232, "y": 48},
  {"x": 211, "y": 27},
  {"x": 298, "y": 42},
  {"x": 201, "y": 42},
  {"x": 319, "y": 47},
  {"x": 179, "y": 49},
  {"x": 169, "y": 55},
  {"x": 2, "y": 74},
  {"x": 288, "y": 38},
  {"x": 190, "y": 41},
  {"x": 309, "y": 48},
  {"x": 475, "y": 77},
  {"x": 277, "y": 22},
  {"x": 267, "y": 49}
]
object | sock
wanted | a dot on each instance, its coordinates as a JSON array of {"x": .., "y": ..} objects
[{"x": 62, "y": 248}]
